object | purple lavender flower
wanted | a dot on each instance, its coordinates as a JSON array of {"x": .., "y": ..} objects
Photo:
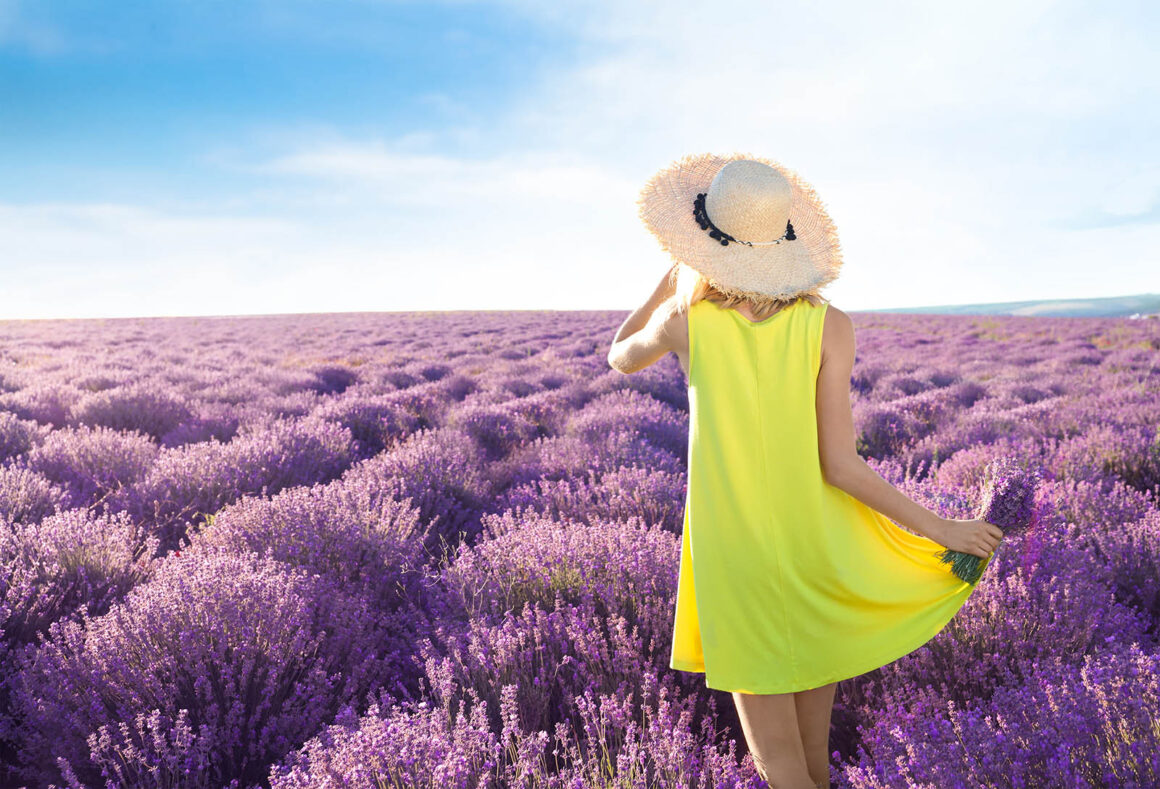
[
  {"x": 1008, "y": 502},
  {"x": 1008, "y": 494}
]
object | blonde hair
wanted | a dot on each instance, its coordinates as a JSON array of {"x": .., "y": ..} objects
[{"x": 693, "y": 286}]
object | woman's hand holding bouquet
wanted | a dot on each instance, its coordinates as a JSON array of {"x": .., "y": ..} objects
[{"x": 1007, "y": 506}]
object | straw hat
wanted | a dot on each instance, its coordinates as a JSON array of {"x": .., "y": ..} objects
[{"x": 747, "y": 224}]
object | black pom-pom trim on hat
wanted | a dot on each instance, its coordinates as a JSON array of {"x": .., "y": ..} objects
[
  {"x": 702, "y": 217},
  {"x": 703, "y": 220}
]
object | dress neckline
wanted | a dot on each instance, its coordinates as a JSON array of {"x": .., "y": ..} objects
[{"x": 748, "y": 322}]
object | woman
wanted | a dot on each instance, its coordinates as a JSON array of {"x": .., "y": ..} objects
[{"x": 801, "y": 577}]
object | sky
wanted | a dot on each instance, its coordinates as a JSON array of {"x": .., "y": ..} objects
[{"x": 291, "y": 156}]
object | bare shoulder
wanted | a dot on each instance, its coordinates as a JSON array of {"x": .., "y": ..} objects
[
  {"x": 838, "y": 320},
  {"x": 837, "y": 333}
]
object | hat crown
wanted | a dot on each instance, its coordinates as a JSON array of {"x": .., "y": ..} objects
[{"x": 749, "y": 200}]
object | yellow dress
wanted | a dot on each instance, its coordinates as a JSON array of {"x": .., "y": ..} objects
[{"x": 786, "y": 582}]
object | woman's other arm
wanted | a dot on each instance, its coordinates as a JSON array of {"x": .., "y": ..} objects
[{"x": 842, "y": 466}]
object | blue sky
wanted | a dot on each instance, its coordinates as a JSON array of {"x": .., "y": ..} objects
[{"x": 205, "y": 158}]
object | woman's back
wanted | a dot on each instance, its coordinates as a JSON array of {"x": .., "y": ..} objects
[{"x": 797, "y": 584}]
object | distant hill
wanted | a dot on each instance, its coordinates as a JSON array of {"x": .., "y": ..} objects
[{"x": 1143, "y": 305}]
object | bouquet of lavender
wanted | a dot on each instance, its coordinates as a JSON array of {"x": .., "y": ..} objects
[{"x": 1008, "y": 502}]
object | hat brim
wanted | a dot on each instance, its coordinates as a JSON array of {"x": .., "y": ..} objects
[{"x": 809, "y": 262}]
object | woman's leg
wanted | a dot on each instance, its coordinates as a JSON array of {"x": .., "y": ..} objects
[
  {"x": 770, "y": 724},
  {"x": 813, "y": 715}
]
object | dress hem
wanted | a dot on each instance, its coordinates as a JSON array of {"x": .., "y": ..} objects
[{"x": 865, "y": 666}]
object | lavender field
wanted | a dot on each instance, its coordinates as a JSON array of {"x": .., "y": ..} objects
[{"x": 441, "y": 550}]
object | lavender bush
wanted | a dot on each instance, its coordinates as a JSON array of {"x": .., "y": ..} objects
[
  {"x": 426, "y": 746},
  {"x": 656, "y": 423},
  {"x": 651, "y": 496},
  {"x": 27, "y": 496},
  {"x": 17, "y": 435},
  {"x": 626, "y": 569},
  {"x": 69, "y": 561},
  {"x": 438, "y": 472},
  {"x": 364, "y": 542},
  {"x": 218, "y": 421},
  {"x": 1130, "y": 558},
  {"x": 145, "y": 409},
  {"x": 92, "y": 464},
  {"x": 375, "y": 422},
  {"x": 188, "y": 483},
  {"x": 256, "y": 654},
  {"x": 1089, "y": 725}
]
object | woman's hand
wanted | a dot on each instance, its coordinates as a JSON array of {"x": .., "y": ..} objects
[
  {"x": 668, "y": 284},
  {"x": 974, "y": 536}
]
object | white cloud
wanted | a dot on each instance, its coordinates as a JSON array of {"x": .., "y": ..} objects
[
  {"x": 437, "y": 180},
  {"x": 1136, "y": 193},
  {"x": 17, "y": 30}
]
